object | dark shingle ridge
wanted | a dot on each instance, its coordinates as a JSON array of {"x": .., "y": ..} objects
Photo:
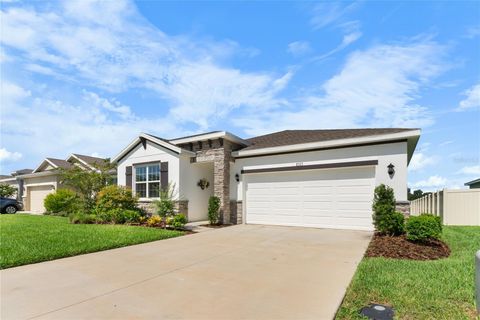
[{"x": 291, "y": 137}]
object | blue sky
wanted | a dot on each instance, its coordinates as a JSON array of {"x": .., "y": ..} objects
[{"x": 87, "y": 76}]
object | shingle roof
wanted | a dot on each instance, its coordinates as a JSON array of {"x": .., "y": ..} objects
[
  {"x": 60, "y": 163},
  {"x": 291, "y": 137},
  {"x": 89, "y": 159},
  {"x": 22, "y": 171},
  {"x": 472, "y": 182}
]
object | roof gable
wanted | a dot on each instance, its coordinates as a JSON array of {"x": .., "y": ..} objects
[{"x": 142, "y": 138}]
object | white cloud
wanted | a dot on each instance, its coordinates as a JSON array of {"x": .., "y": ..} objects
[
  {"x": 420, "y": 160},
  {"x": 327, "y": 13},
  {"x": 8, "y": 156},
  {"x": 109, "y": 45},
  {"x": 377, "y": 87},
  {"x": 92, "y": 124},
  {"x": 432, "y": 181},
  {"x": 471, "y": 170},
  {"x": 472, "y": 99},
  {"x": 299, "y": 48}
]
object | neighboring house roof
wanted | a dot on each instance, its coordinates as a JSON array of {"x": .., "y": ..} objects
[
  {"x": 472, "y": 182},
  {"x": 290, "y": 137},
  {"x": 88, "y": 161},
  {"x": 59, "y": 163},
  {"x": 4, "y": 176},
  {"x": 21, "y": 171}
]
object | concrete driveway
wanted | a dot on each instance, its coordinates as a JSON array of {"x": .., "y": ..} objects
[{"x": 240, "y": 272}]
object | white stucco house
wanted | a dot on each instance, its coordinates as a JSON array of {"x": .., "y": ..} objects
[{"x": 308, "y": 178}]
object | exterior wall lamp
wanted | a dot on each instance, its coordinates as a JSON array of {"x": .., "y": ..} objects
[{"x": 391, "y": 170}]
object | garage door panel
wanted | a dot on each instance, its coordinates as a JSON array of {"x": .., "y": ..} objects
[
  {"x": 353, "y": 198},
  {"x": 318, "y": 198},
  {"x": 333, "y": 198},
  {"x": 36, "y": 196},
  {"x": 357, "y": 189},
  {"x": 318, "y": 205}
]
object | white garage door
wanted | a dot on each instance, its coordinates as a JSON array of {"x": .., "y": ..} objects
[
  {"x": 327, "y": 198},
  {"x": 36, "y": 196}
]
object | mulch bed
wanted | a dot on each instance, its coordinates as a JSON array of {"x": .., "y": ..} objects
[{"x": 400, "y": 248}]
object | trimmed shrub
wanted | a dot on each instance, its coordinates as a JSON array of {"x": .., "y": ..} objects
[
  {"x": 116, "y": 197},
  {"x": 178, "y": 221},
  {"x": 62, "y": 202},
  {"x": 213, "y": 210},
  {"x": 82, "y": 218},
  {"x": 423, "y": 227},
  {"x": 385, "y": 219},
  {"x": 118, "y": 216}
]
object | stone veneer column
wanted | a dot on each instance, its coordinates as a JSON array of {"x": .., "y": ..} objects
[
  {"x": 221, "y": 180},
  {"x": 403, "y": 207}
]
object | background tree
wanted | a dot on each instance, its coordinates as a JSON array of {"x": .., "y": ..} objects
[
  {"x": 416, "y": 194},
  {"x": 87, "y": 183},
  {"x": 7, "y": 191}
]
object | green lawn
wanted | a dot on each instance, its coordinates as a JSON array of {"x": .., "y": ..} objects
[
  {"x": 441, "y": 289},
  {"x": 28, "y": 239}
]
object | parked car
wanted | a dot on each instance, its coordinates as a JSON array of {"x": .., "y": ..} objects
[{"x": 8, "y": 205}]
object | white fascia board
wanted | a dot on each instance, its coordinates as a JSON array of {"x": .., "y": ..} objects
[
  {"x": 8, "y": 179},
  {"x": 210, "y": 136},
  {"x": 307, "y": 163},
  {"x": 41, "y": 164},
  {"x": 160, "y": 142},
  {"x": 331, "y": 143}
]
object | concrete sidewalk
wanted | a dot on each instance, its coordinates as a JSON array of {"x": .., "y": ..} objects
[{"x": 239, "y": 272}]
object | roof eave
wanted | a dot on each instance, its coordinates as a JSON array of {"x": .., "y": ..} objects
[
  {"x": 214, "y": 135},
  {"x": 412, "y": 137}
]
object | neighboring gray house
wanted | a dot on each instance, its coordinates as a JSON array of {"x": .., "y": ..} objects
[
  {"x": 474, "y": 184},
  {"x": 34, "y": 185},
  {"x": 14, "y": 180},
  {"x": 308, "y": 178}
]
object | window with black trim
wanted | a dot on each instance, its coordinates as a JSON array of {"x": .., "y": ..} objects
[{"x": 147, "y": 180}]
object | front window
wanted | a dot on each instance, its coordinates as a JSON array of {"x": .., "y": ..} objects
[{"x": 147, "y": 181}]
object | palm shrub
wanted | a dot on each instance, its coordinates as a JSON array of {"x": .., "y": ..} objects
[
  {"x": 214, "y": 210},
  {"x": 386, "y": 220},
  {"x": 165, "y": 207},
  {"x": 62, "y": 202}
]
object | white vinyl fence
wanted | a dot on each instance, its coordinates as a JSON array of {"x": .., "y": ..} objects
[{"x": 455, "y": 207}]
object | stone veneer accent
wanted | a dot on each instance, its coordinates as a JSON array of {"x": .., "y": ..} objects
[
  {"x": 219, "y": 151},
  {"x": 181, "y": 206},
  {"x": 236, "y": 212},
  {"x": 403, "y": 207}
]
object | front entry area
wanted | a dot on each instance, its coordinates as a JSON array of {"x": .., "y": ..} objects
[{"x": 324, "y": 198}]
